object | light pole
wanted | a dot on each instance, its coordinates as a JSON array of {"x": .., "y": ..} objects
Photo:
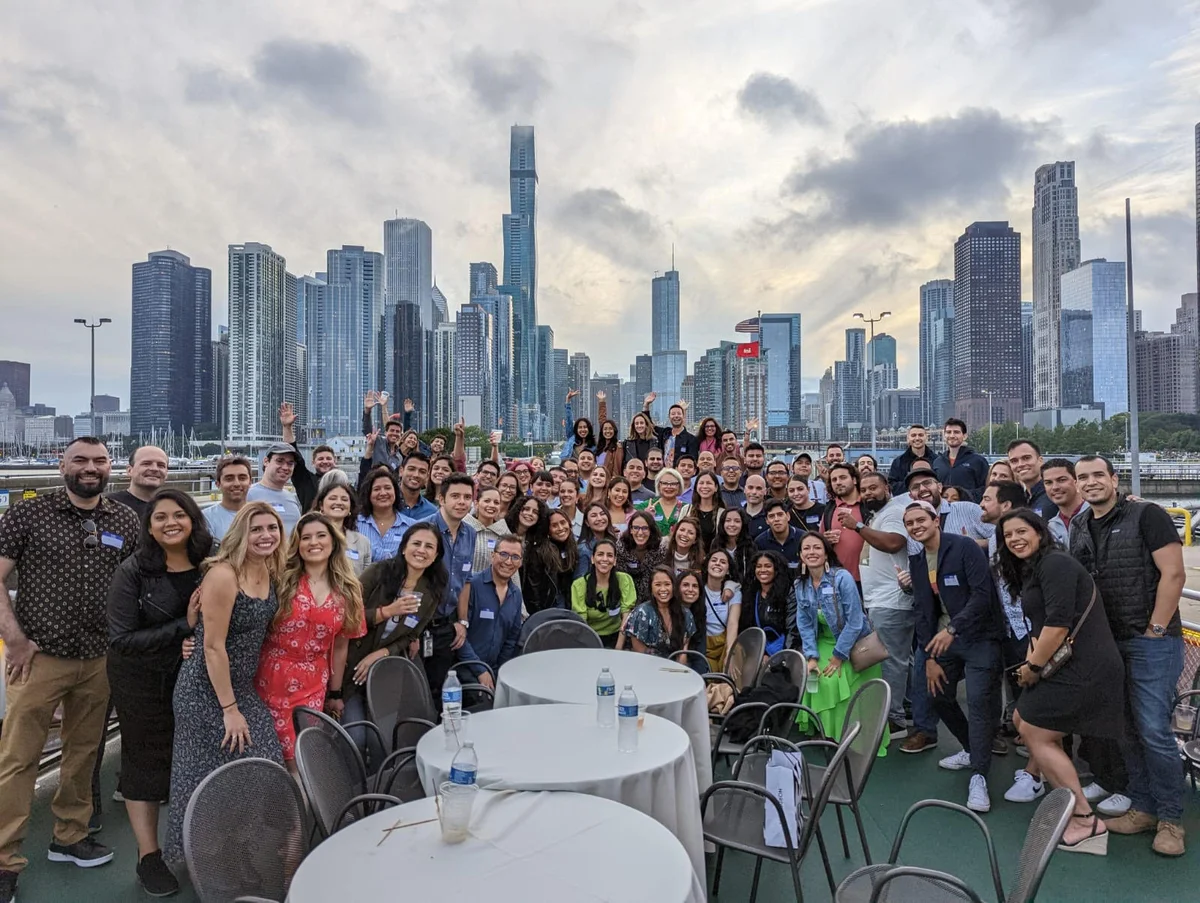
[
  {"x": 92, "y": 327},
  {"x": 871, "y": 375},
  {"x": 988, "y": 393}
]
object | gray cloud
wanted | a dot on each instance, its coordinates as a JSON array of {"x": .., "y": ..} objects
[
  {"x": 776, "y": 99},
  {"x": 893, "y": 172},
  {"x": 1046, "y": 14},
  {"x": 209, "y": 85},
  {"x": 605, "y": 221},
  {"x": 511, "y": 83},
  {"x": 29, "y": 119}
]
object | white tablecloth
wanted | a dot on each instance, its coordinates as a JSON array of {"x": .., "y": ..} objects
[
  {"x": 523, "y": 846},
  {"x": 560, "y": 747},
  {"x": 666, "y": 689}
]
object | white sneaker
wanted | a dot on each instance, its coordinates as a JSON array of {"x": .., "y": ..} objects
[
  {"x": 1117, "y": 804},
  {"x": 1093, "y": 792},
  {"x": 117, "y": 797},
  {"x": 1025, "y": 789},
  {"x": 977, "y": 797},
  {"x": 956, "y": 762}
]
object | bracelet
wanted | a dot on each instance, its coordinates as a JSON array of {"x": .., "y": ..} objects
[
  {"x": 331, "y": 693},
  {"x": 230, "y": 706}
]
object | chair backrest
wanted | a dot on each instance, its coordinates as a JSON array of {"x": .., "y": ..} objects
[
  {"x": 538, "y": 618},
  {"x": 746, "y": 657},
  {"x": 751, "y": 763},
  {"x": 329, "y": 776},
  {"x": 397, "y": 688},
  {"x": 560, "y": 634},
  {"x": 693, "y": 658},
  {"x": 821, "y": 793},
  {"x": 403, "y": 780},
  {"x": 1041, "y": 840},
  {"x": 244, "y": 832},
  {"x": 869, "y": 708},
  {"x": 795, "y": 661}
]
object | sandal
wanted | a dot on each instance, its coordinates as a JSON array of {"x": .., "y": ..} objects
[{"x": 1095, "y": 843}]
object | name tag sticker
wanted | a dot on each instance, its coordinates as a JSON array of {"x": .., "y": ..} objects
[
  {"x": 487, "y": 614},
  {"x": 282, "y": 509},
  {"x": 660, "y": 517},
  {"x": 352, "y": 553},
  {"x": 491, "y": 544},
  {"x": 411, "y": 621},
  {"x": 826, "y": 590},
  {"x": 112, "y": 540},
  {"x": 951, "y": 580},
  {"x": 466, "y": 567}
]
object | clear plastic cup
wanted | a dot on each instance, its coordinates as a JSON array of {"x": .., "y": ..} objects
[
  {"x": 641, "y": 716},
  {"x": 454, "y": 803},
  {"x": 455, "y": 727},
  {"x": 1185, "y": 718}
]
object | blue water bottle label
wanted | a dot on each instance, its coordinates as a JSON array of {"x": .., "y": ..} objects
[
  {"x": 627, "y": 711},
  {"x": 461, "y": 776},
  {"x": 606, "y": 691},
  {"x": 452, "y": 696}
]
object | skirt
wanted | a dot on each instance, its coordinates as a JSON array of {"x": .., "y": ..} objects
[
  {"x": 141, "y": 691},
  {"x": 833, "y": 694}
]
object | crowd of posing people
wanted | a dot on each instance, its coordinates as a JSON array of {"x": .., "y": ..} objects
[{"x": 225, "y": 620}]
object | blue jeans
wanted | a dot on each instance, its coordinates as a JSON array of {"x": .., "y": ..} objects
[
  {"x": 895, "y": 629},
  {"x": 924, "y": 717},
  {"x": 356, "y": 710},
  {"x": 1152, "y": 669},
  {"x": 978, "y": 662}
]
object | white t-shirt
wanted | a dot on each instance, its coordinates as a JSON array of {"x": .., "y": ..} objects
[
  {"x": 880, "y": 587},
  {"x": 282, "y": 501},
  {"x": 716, "y": 611},
  {"x": 219, "y": 520}
]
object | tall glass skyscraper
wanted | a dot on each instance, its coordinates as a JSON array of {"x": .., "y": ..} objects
[
  {"x": 1055, "y": 252},
  {"x": 1094, "y": 336},
  {"x": 356, "y": 284},
  {"x": 170, "y": 377},
  {"x": 937, "y": 351},
  {"x": 520, "y": 266},
  {"x": 664, "y": 312},
  {"x": 779, "y": 335},
  {"x": 408, "y": 265},
  {"x": 259, "y": 337}
]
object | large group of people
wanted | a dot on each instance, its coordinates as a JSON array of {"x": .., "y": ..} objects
[{"x": 665, "y": 542}]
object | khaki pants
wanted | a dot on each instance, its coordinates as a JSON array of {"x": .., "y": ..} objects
[{"x": 81, "y": 685}]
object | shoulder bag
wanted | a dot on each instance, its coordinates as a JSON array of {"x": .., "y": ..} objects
[
  {"x": 869, "y": 650},
  {"x": 1063, "y": 653}
]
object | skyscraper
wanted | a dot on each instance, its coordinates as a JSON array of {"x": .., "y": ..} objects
[
  {"x": 218, "y": 411},
  {"x": 708, "y": 388},
  {"x": 408, "y": 266},
  {"x": 987, "y": 323},
  {"x": 355, "y": 297},
  {"x": 1187, "y": 325},
  {"x": 580, "y": 376},
  {"x": 259, "y": 336},
  {"x": 883, "y": 374},
  {"x": 856, "y": 345},
  {"x": 1166, "y": 375},
  {"x": 408, "y": 367},
  {"x": 442, "y": 372},
  {"x": 546, "y": 377},
  {"x": 779, "y": 335},
  {"x": 499, "y": 305},
  {"x": 664, "y": 312},
  {"x": 1094, "y": 335},
  {"x": 170, "y": 374},
  {"x": 667, "y": 373},
  {"x": 1027, "y": 354},
  {"x": 473, "y": 366},
  {"x": 520, "y": 264},
  {"x": 562, "y": 382},
  {"x": 483, "y": 279},
  {"x": 643, "y": 376},
  {"x": 16, "y": 375},
  {"x": 1055, "y": 251},
  {"x": 1198, "y": 207},
  {"x": 937, "y": 351},
  {"x": 441, "y": 307}
]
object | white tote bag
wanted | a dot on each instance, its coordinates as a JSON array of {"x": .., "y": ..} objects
[{"x": 785, "y": 782}]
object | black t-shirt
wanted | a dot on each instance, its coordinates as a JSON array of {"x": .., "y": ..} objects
[
  {"x": 807, "y": 518},
  {"x": 1157, "y": 531},
  {"x": 129, "y": 500}
]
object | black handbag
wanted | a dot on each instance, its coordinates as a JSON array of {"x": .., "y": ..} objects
[{"x": 1063, "y": 653}]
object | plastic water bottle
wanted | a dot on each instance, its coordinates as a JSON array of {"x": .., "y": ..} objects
[
  {"x": 606, "y": 689},
  {"x": 627, "y": 720},
  {"x": 451, "y": 696},
  {"x": 465, "y": 766}
]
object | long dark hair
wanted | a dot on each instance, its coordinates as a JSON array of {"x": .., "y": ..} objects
[
  {"x": 539, "y": 531},
  {"x": 350, "y": 522},
  {"x": 696, "y": 555},
  {"x": 608, "y": 445},
  {"x": 742, "y": 551},
  {"x": 382, "y": 472},
  {"x": 567, "y": 563},
  {"x": 394, "y": 571},
  {"x": 433, "y": 489},
  {"x": 674, "y": 607},
  {"x": 589, "y": 437},
  {"x": 586, "y": 535},
  {"x": 199, "y": 544},
  {"x": 718, "y": 500},
  {"x": 1012, "y": 569},
  {"x": 627, "y": 542},
  {"x": 831, "y": 559},
  {"x": 772, "y": 608},
  {"x": 590, "y": 599}
]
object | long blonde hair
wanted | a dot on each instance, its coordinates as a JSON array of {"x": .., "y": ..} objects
[
  {"x": 236, "y": 542},
  {"x": 342, "y": 579}
]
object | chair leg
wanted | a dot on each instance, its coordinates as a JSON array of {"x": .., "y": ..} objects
[
  {"x": 796, "y": 881},
  {"x": 842, "y": 829},
  {"x": 862, "y": 831},
  {"x": 825, "y": 861},
  {"x": 754, "y": 885},
  {"x": 717, "y": 873}
]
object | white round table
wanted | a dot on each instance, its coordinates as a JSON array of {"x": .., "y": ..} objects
[
  {"x": 560, "y": 747},
  {"x": 522, "y": 846},
  {"x": 664, "y": 688}
]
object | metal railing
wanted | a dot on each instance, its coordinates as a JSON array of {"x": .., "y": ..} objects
[{"x": 1187, "y": 523}]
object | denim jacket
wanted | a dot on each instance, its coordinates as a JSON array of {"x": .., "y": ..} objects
[{"x": 837, "y": 597}]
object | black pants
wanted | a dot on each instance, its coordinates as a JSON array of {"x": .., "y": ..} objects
[
  {"x": 97, "y": 806},
  {"x": 438, "y": 665},
  {"x": 978, "y": 662}
]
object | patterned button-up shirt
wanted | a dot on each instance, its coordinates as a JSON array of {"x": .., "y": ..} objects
[{"x": 62, "y": 591}]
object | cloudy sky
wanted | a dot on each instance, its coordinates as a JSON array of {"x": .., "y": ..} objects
[{"x": 810, "y": 155}]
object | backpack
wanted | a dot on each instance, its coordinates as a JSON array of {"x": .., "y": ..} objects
[{"x": 776, "y": 686}]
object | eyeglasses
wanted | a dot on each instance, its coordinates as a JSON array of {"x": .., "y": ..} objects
[
  {"x": 668, "y": 483},
  {"x": 90, "y": 540},
  {"x": 639, "y": 528},
  {"x": 508, "y": 556}
]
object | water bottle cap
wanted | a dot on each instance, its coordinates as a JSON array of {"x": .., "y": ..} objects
[
  {"x": 468, "y": 744},
  {"x": 628, "y": 686}
]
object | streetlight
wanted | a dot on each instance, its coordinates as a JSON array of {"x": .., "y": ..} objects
[
  {"x": 988, "y": 393},
  {"x": 871, "y": 379},
  {"x": 92, "y": 327}
]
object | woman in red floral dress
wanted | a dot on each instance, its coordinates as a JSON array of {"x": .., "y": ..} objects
[{"x": 320, "y": 611}]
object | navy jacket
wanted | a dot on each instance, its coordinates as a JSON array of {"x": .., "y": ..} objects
[
  {"x": 968, "y": 472},
  {"x": 965, "y": 586},
  {"x": 902, "y": 465}
]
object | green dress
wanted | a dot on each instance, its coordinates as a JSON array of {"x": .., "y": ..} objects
[{"x": 833, "y": 694}]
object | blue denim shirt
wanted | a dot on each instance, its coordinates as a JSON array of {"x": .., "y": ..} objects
[
  {"x": 384, "y": 545},
  {"x": 837, "y": 598},
  {"x": 422, "y": 511},
  {"x": 495, "y": 629},
  {"x": 459, "y": 553}
]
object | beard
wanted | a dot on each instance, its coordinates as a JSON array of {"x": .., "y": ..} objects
[{"x": 74, "y": 483}]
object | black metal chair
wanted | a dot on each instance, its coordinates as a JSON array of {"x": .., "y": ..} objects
[
  {"x": 907, "y": 884},
  {"x": 561, "y": 634},
  {"x": 244, "y": 832},
  {"x": 736, "y": 815},
  {"x": 744, "y": 661},
  {"x": 476, "y": 697},
  {"x": 538, "y": 618},
  {"x": 399, "y": 701},
  {"x": 334, "y": 784},
  {"x": 794, "y": 659},
  {"x": 1192, "y": 698},
  {"x": 694, "y": 659},
  {"x": 401, "y": 779}
]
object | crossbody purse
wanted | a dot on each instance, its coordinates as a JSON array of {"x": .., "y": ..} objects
[
  {"x": 1063, "y": 653},
  {"x": 869, "y": 650}
]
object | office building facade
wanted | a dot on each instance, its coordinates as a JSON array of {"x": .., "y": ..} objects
[
  {"x": 664, "y": 312},
  {"x": 15, "y": 374},
  {"x": 443, "y": 374},
  {"x": 936, "y": 351},
  {"x": 1055, "y": 252},
  {"x": 473, "y": 366},
  {"x": 779, "y": 347},
  {"x": 1094, "y": 336},
  {"x": 262, "y": 342},
  {"x": 1027, "y": 354},
  {"x": 520, "y": 266}
]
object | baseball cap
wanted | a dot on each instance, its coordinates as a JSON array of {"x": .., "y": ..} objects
[
  {"x": 280, "y": 448},
  {"x": 919, "y": 472}
]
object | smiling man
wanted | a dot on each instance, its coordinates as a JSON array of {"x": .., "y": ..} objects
[
  {"x": 147, "y": 472},
  {"x": 1025, "y": 458},
  {"x": 272, "y": 486}
]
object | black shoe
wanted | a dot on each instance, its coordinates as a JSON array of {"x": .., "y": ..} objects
[
  {"x": 999, "y": 747},
  {"x": 86, "y": 853},
  {"x": 8, "y": 886},
  {"x": 897, "y": 730},
  {"x": 94, "y": 823},
  {"x": 156, "y": 879}
]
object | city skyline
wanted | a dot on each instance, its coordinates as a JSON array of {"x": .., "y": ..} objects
[{"x": 821, "y": 182}]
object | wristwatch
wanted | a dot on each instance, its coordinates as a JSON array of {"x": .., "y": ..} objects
[
  {"x": 858, "y": 527},
  {"x": 464, "y": 622},
  {"x": 1158, "y": 630},
  {"x": 950, "y": 630}
]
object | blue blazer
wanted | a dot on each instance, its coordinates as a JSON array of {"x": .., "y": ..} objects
[
  {"x": 837, "y": 598},
  {"x": 966, "y": 588}
]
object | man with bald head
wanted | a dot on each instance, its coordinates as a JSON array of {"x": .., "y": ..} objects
[
  {"x": 755, "y": 507},
  {"x": 147, "y": 473}
]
